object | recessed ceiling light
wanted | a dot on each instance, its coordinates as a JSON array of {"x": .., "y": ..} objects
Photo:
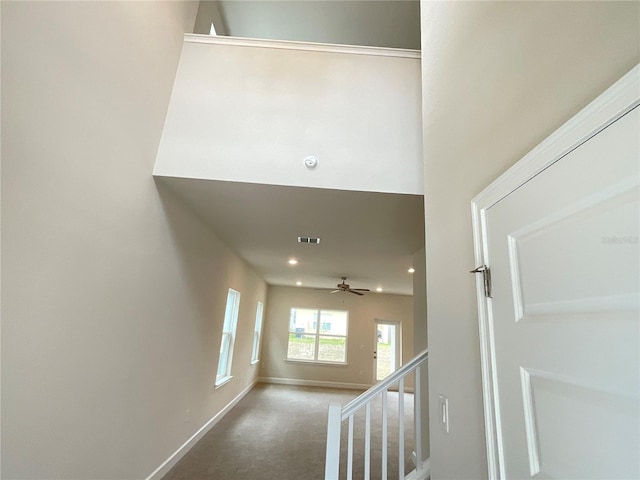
[
  {"x": 379, "y": 289},
  {"x": 298, "y": 283},
  {"x": 411, "y": 270},
  {"x": 293, "y": 261}
]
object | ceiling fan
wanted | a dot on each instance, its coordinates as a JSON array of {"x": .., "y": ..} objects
[{"x": 344, "y": 287}]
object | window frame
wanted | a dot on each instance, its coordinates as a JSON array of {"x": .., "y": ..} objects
[
  {"x": 318, "y": 335},
  {"x": 257, "y": 334},
  {"x": 228, "y": 337}
]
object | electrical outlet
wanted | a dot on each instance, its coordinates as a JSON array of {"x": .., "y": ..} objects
[{"x": 443, "y": 403}]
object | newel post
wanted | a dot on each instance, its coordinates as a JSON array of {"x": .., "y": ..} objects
[{"x": 334, "y": 423}]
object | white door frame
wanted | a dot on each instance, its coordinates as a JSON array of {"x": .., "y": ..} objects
[
  {"x": 616, "y": 101},
  {"x": 398, "y": 326}
]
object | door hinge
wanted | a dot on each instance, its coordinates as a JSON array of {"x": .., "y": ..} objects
[{"x": 486, "y": 277}]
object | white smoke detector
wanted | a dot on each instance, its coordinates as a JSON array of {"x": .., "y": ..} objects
[{"x": 311, "y": 161}]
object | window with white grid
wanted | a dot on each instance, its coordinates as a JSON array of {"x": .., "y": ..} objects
[{"x": 228, "y": 337}]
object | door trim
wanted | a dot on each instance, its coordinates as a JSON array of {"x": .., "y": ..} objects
[{"x": 622, "y": 97}]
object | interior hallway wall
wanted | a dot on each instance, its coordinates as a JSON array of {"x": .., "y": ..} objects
[
  {"x": 282, "y": 102},
  {"x": 498, "y": 78},
  {"x": 113, "y": 294}
]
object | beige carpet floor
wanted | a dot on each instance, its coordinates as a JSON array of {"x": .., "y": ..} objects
[{"x": 278, "y": 432}]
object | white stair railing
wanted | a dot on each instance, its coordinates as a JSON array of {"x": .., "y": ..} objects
[{"x": 338, "y": 414}]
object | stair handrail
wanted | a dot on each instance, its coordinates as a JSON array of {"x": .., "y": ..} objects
[
  {"x": 360, "y": 401},
  {"x": 337, "y": 414}
]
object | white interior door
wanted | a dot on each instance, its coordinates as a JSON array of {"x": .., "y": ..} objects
[
  {"x": 386, "y": 353},
  {"x": 563, "y": 324}
]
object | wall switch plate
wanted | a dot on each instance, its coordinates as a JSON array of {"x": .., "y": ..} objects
[{"x": 443, "y": 403}]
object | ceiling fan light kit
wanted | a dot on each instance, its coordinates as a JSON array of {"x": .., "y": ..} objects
[{"x": 345, "y": 287}]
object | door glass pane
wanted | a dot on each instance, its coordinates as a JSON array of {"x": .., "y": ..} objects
[
  {"x": 332, "y": 349},
  {"x": 387, "y": 354}
]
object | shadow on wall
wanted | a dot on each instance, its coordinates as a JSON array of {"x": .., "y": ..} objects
[{"x": 194, "y": 244}]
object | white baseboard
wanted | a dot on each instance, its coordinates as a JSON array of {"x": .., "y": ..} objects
[
  {"x": 317, "y": 383},
  {"x": 170, "y": 462},
  {"x": 313, "y": 383}
]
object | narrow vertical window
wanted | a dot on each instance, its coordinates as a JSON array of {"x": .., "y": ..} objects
[
  {"x": 228, "y": 337},
  {"x": 257, "y": 332}
]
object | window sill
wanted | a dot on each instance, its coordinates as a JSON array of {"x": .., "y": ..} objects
[
  {"x": 253, "y": 362},
  {"x": 222, "y": 381},
  {"x": 316, "y": 363}
]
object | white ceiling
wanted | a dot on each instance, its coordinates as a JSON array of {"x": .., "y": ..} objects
[
  {"x": 379, "y": 23},
  {"x": 368, "y": 237}
]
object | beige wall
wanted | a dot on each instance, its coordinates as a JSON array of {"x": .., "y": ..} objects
[
  {"x": 113, "y": 294},
  {"x": 283, "y": 102},
  {"x": 498, "y": 77},
  {"x": 362, "y": 312}
]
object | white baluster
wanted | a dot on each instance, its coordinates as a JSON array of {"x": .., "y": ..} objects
[
  {"x": 367, "y": 442},
  {"x": 384, "y": 435},
  {"x": 350, "y": 450},
  {"x": 401, "y": 429},
  {"x": 417, "y": 419},
  {"x": 337, "y": 415}
]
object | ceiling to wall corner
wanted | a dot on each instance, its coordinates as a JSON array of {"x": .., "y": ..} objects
[{"x": 377, "y": 23}]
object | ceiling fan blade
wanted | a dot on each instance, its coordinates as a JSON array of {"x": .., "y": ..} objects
[
  {"x": 354, "y": 292},
  {"x": 361, "y": 289},
  {"x": 335, "y": 291}
]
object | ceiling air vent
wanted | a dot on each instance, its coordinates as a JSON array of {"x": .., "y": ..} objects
[{"x": 314, "y": 240}]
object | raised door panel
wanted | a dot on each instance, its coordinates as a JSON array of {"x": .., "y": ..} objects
[{"x": 564, "y": 254}]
